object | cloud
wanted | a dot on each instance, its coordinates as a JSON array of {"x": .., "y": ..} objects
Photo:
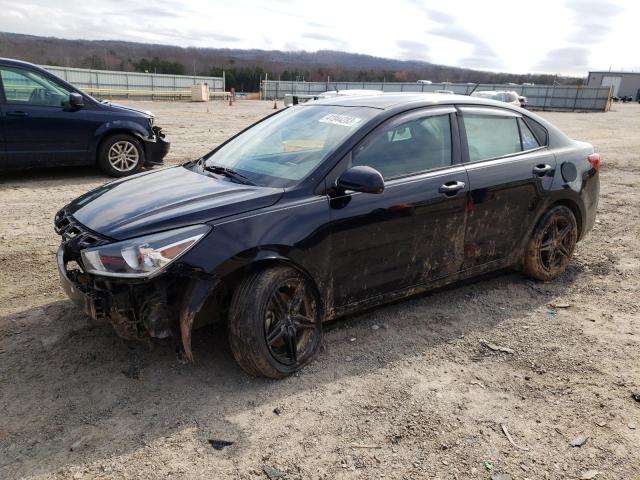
[
  {"x": 316, "y": 25},
  {"x": 592, "y": 22},
  {"x": 186, "y": 36},
  {"x": 148, "y": 12},
  {"x": 565, "y": 60},
  {"x": 482, "y": 55},
  {"x": 483, "y": 35},
  {"x": 335, "y": 42},
  {"x": 441, "y": 17},
  {"x": 435, "y": 15},
  {"x": 412, "y": 50},
  {"x": 592, "y": 19}
]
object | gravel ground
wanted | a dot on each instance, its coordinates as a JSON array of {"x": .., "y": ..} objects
[{"x": 404, "y": 391}]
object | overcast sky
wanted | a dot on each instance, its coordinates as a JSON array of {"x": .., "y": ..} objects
[{"x": 546, "y": 36}]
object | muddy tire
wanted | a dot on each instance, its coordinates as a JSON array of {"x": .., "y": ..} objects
[
  {"x": 121, "y": 155},
  {"x": 274, "y": 323},
  {"x": 551, "y": 245}
]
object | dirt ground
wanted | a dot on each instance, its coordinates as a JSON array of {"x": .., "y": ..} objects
[{"x": 406, "y": 391}]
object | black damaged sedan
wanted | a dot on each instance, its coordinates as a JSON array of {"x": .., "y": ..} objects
[{"x": 325, "y": 209}]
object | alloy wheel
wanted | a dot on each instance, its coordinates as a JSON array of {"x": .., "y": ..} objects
[
  {"x": 290, "y": 325},
  {"x": 556, "y": 246},
  {"x": 123, "y": 156}
]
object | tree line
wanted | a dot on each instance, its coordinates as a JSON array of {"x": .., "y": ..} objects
[{"x": 247, "y": 78}]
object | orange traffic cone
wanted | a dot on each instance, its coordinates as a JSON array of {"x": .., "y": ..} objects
[{"x": 275, "y": 104}]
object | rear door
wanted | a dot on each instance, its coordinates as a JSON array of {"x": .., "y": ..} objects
[
  {"x": 38, "y": 129},
  {"x": 510, "y": 172},
  {"x": 413, "y": 232}
]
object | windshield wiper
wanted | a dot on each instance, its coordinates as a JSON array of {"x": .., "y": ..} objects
[{"x": 228, "y": 172}]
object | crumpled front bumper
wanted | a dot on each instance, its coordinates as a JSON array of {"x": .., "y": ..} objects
[
  {"x": 90, "y": 303},
  {"x": 166, "y": 306},
  {"x": 156, "y": 148},
  {"x": 136, "y": 310}
]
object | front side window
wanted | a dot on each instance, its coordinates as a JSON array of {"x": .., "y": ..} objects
[
  {"x": 407, "y": 148},
  {"x": 30, "y": 88},
  {"x": 491, "y": 136},
  {"x": 283, "y": 149}
]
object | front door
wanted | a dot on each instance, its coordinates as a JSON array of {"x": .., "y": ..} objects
[
  {"x": 38, "y": 129},
  {"x": 413, "y": 232},
  {"x": 2, "y": 137},
  {"x": 510, "y": 169}
]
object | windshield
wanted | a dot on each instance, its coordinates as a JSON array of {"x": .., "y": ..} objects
[{"x": 283, "y": 149}]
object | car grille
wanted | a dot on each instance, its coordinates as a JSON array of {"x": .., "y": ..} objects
[{"x": 75, "y": 236}]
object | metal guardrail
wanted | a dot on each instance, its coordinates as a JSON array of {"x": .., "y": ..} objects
[
  {"x": 152, "y": 94},
  {"x": 540, "y": 97},
  {"x": 109, "y": 93}
]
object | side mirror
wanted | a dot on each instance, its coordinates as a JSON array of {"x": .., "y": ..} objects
[
  {"x": 76, "y": 100},
  {"x": 361, "y": 179}
]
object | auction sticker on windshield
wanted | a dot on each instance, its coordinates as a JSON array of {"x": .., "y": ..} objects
[{"x": 337, "y": 119}]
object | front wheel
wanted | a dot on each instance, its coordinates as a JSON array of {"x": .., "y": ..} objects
[
  {"x": 121, "y": 155},
  {"x": 551, "y": 245},
  {"x": 275, "y": 326}
]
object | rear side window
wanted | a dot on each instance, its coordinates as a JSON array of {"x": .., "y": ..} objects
[
  {"x": 415, "y": 146},
  {"x": 491, "y": 136}
]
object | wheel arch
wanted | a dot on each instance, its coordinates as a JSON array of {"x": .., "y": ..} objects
[
  {"x": 103, "y": 134},
  {"x": 571, "y": 204},
  {"x": 264, "y": 260},
  {"x": 575, "y": 209}
]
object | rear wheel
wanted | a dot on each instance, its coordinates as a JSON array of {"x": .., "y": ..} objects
[
  {"x": 121, "y": 155},
  {"x": 274, "y": 323},
  {"x": 551, "y": 245}
]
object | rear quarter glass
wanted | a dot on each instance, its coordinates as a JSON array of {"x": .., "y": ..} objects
[{"x": 538, "y": 130}]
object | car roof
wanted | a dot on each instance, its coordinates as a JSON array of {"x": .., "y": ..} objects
[
  {"x": 388, "y": 101},
  {"x": 16, "y": 63}
]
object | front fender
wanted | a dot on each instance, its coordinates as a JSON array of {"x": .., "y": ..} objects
[
  {"x": 196, "y": 294},
  {"x": 117, "y": 126},
  {"x": 200, "y": 289}
]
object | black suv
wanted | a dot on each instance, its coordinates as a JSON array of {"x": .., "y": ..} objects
[{"x": 45, "y": 121}]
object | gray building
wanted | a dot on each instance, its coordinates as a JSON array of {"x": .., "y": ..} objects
[{"x": 623, "y": 83}]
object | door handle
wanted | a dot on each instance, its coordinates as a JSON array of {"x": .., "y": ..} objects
[
  {"x": 451, "y": 187},
  {"x": 542, "y": 169},
  {"x": 17, "y": 113}
]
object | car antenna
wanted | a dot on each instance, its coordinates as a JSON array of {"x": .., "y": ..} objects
[{"x": 474, "y": 88}]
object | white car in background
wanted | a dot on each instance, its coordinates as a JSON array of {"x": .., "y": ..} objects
[{"x": 506, "y": 96}]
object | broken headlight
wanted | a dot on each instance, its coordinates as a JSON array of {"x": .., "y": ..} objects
[{"x": 143, "y": 256}]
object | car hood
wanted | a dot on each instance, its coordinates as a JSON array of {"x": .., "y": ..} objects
[
  {"x": 169, "y": 198},
  {"x": 125, "y": 108}
]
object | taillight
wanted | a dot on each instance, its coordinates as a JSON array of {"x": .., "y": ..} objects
[{"x": 594, "y": 160}]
